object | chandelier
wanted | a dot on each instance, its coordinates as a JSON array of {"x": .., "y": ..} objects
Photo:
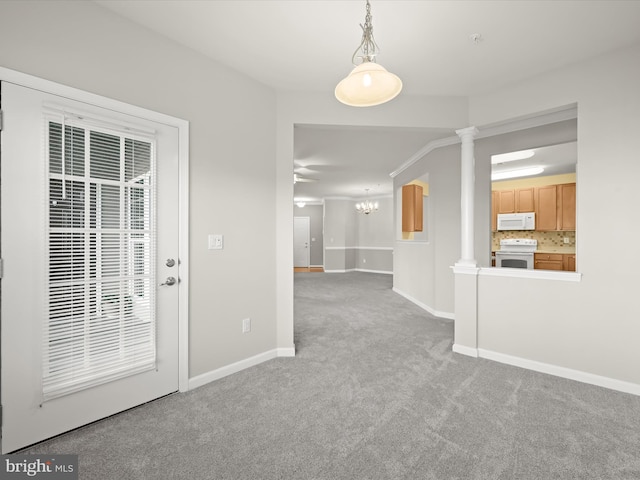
[
  {"x": 367, "y": 206},
  {"x": 369, "y": 83}
]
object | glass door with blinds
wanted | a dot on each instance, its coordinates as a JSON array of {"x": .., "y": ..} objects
[{"x": 89, "y": 328}]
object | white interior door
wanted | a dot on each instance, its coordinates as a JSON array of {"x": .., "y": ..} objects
[
  {"x": 301, "y": 228},
  {"x": 89, "y": 223}
]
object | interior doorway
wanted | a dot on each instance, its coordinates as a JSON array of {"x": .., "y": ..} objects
[{"x": 301, "y": 234}]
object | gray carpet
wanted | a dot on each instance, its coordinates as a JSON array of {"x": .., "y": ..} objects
[{"x": 373, "y": 393}]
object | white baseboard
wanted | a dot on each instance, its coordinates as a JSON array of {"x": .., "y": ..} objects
[
  {"x": 340, "y": 271},
  {"x": 374, "y": 271},
  {"x": 468, "y": 351},
  {"x": 584, "y": 377},
  {"x": 432, "y": 311},
  {"x": 222, "y": 372},
  {"x": 286, "y": 352}
]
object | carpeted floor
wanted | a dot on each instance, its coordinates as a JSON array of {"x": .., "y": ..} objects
[{"x": 373, "y": 393}]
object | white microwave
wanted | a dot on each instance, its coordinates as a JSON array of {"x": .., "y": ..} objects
[{"x": 517, "y": 221}]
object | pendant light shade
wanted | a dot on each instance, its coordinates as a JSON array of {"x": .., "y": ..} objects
[{"x": 367, "y": 85}]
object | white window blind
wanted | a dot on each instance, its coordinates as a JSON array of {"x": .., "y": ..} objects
[{"x": 100, "y": 319}]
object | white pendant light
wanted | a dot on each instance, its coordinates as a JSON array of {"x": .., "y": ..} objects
[{"x": 369, "y": 83}]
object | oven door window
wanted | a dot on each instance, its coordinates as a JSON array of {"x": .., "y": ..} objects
[{"x": 514, "y": 263}]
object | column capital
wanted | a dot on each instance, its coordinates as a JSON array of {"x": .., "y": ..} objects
[{"x": 468, "y": 132}]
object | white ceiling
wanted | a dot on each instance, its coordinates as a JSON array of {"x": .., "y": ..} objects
[
  {"x": 555, "y": 159},
  {"x": 306, "y": 45}
]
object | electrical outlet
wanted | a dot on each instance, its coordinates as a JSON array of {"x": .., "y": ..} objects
[
  {"x": 215, "y": 241},
  {"x": 246, "y": 325},
  {"x": 364, "y": 260},
  {"x": 566, "y": 240}
]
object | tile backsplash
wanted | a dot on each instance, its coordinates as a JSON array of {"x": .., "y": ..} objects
[{"x": 545, "y": 239}]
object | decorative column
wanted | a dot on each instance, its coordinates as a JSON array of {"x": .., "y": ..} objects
[
  {"x": 465, "y": 336},
  {"x": 467, "y": 197}
]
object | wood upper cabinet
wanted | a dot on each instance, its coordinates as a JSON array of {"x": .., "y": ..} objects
[
  {"x": 547, "y": 207},
  {"x": 519, "y": 200},
  {"x": 412, "y": 198},
  {"x": 506, "y": 201},
  {"x": 495, "y": 199},
  {"x": 567, "y": 211},
  {"x": 556, "y": 207},
  {"x": 525, "y": 200}
]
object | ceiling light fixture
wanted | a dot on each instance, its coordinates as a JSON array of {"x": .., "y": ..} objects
[
  {"x": 512, "y": 156},
  {"x": 369, "y": 83},
  {"x": 367, "y": 206},
  {"x": 301, "y": 204},
  {"x": 521, "y": 172}
]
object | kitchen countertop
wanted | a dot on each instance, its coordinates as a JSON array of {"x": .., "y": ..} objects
[{"x": 563, "y": 250}]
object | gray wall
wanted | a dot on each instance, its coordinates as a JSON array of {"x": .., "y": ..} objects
[
  {"x": 75, "y": 43},
  {"x": 591, "y": 326},
  {"x": 355, "y": 241},
  {"x": 422, "y": 269}
]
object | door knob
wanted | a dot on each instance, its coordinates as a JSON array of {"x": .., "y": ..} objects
[{"x": 169, "y": 281}]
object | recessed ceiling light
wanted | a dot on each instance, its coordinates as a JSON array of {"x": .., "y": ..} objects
[
  {"x": 511, "y": 156},
  {"x": 521, "y": 172}
]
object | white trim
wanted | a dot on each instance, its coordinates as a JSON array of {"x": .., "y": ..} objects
[
  {"x": 286, "y": 352},
  {"x": 359, "y": 248},
  {"x": 468, "y": 351},
  {"x": 236, "y": 367},
  {"x": 386, "y": 272},
  {"x": 563, "y": 372},
  {"x": 432, "y": 311},
  {"x": 465, "y": 269},
  {"x": 71, "y": 93},
  {"x": 530, "y": 273},
  {"x": 555, "y": 115},
  {"x": 340, "y": 271},
  {"x": 183, "y": 286},
  {"x": 428, "y": 148}
]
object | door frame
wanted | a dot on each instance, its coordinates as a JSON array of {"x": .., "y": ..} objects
[{"x": 54, "y": 88}]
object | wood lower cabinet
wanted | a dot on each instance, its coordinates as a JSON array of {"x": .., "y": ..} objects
[
  {"x": 569, "y": 262},
  {"x": 548, "y": 261},
  {"x": 554, "y": 261}
]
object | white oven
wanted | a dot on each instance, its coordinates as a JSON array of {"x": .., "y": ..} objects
[{"x": 516, "y": 253}]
